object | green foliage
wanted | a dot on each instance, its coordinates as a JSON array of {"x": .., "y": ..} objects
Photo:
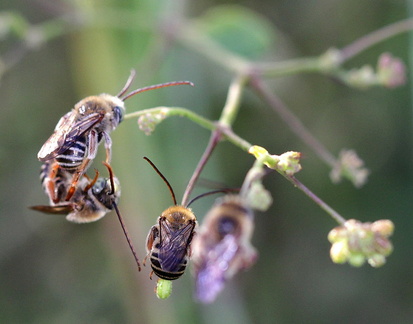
[{"x": 239, "y": 30}]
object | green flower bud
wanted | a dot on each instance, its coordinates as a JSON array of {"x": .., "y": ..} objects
[
  {"x": 376, "y": 260},
  {"x": 163, "y": 288},
  {"x": 339, "y": 252},
  {"x": 356, "y": 259}
]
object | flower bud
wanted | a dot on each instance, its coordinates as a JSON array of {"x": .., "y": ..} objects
[
  {"x": 163, "y": 288},
  {"x": 148, "y": 122}
]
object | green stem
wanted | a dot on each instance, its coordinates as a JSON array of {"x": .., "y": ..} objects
[
  {"x": 294, "y": 66},
  {"x": 231, "y": 108},
  {"x": 175, "y": 111},
  {"x": 341, "y": 220}
]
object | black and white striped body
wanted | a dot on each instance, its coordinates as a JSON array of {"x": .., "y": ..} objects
[
  {"x": 73, "y": 157},
  {"x": 168, "y": 242}
]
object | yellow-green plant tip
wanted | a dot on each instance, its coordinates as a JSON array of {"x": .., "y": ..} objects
[
  {"x": 163, "y": 288},
  {"x": 258, "y": 151}
]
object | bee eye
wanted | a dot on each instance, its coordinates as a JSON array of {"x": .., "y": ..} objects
[
  {"x": 118, "y": 114},
  {"x": 99, "y": 186}
]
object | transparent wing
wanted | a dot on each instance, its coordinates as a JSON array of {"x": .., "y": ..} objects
[
  {"x": 59, "y": 209},
  {"x": 211, "y": 275},
  {"x": 66, "y": 133},
  {"x": 174, "y": 246}
]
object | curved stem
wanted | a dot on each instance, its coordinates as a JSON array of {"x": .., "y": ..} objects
[
  {"x": 316, "y": 199},
  {"x": 375, "y": 37},
  {"x": 292, "y": 121},
  {"x": 213, "y": 142}
]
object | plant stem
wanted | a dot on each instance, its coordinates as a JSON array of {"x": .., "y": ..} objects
[
  {"x": 213, "y": 141},
  {"x": 231, "y": 108},
  {"x": 374, "y": 38},
  {"x": 316, "y": 199},
  {"x": 292, "y": 121},
  {"x": 175, "y": 111}
]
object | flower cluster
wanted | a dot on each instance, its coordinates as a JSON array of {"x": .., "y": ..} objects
[
  {"x": 355, "y": 242},
  {"x": 349, "y": 166}
]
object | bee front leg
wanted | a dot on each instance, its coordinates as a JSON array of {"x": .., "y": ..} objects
[{"x": 108, "y": 147}]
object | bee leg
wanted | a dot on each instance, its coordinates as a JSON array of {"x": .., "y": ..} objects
[
  {"x": 108, "y": 147},
  {"x": 91, "y": 182},
  {"x": 150, "y": 275},
  {"x": 91, "y": 154},
  {"x": 76, "y": 178},
  {"x": 50, "y": 186}
]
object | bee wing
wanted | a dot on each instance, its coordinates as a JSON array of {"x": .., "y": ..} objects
[
  {"x": 174, "y": 247},
  {"x": 211, "y": 275},
  {"x": 66, "y": 133},
  {"x": 56, "y": 140},
  {"x": 58, "y": 209}
]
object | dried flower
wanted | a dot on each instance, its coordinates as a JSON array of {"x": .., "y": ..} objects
[
  {"x": 148, "y": 122},
  {"x": 391, "y": 71},
  {"x": 350, "y": 166}
]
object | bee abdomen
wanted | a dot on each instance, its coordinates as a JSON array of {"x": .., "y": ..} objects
[
  {"x": 167, "y": 274},
  {"x": 73, "y": 157}
]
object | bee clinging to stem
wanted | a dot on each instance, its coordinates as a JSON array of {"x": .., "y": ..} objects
[
  {"x": 168, "y": 242},
  {"x": 74, "y": 142},
  {"x": 222, "y": 246},
  {"x": 91, "y": 200}
]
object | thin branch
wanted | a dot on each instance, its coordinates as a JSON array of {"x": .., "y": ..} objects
[
  {"x": 292, "y": 121},
  {"x": 213, "y": 141}
]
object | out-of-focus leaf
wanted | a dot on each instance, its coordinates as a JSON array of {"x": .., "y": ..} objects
[{"x": 239, "y": 30}]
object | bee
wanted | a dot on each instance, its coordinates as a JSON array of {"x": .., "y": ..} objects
[
  {"x": 54, "y": 181},
  {"x": 74, "y": 142},
  {"x": 222, "y": 246},
  {"x": 91, "y": 201},
  {"x": 168, "y": 242}
]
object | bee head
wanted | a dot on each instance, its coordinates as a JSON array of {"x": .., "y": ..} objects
[{"x": 102, "y": 191}]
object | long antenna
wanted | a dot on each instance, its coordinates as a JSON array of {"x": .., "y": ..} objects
[
  {"x": 128, "y": 83},
  {"x": 225, "y": 190},
  {"x": 126, "y": 235},
  {"x": 163, "y": 178},
  {"x": 115, "y": 206},
  {"x": 153, "y": 87}
]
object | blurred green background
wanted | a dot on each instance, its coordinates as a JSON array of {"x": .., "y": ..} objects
[{"x": 53, "y": 271}]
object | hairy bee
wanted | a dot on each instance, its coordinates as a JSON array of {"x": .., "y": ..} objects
[
  {"x": 222, "y": 246},
  {"x": 168, "y": 242},
  {"x": 55, "y": 181},
  {"x": 74, "y": 142},
  {"x": 91, "y": 200}
]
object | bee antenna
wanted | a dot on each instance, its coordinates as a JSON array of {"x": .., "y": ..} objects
[
  {"x": 225, "y": 190},
  {"x": 153, "y": 87},
  {"x": 128, "y": 83},
  {"x": 163, "y": 178},
  {"x": 115, "y": 206}
]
